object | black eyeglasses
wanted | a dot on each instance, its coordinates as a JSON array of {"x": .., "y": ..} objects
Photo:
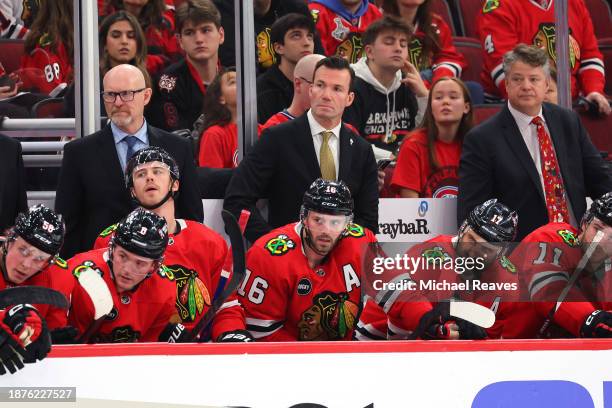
[{"x": 126, "y": 96}]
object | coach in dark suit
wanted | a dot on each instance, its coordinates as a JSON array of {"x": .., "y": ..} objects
[
  {"x": 13, "y": 198},
  {"x": 502, "y": 157},
  {"x": 290, "y": 156},
  {"x": 91, "y": 193}
]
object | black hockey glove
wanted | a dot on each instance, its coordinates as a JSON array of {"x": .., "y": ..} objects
[
  {"x": 30, "y": 329},
  {"x": 175, "y": 333},
  {"x": 235, "y": 336},
  {"x": 11, "y": 353},
  {"x": 469, "y": 331},
  {"x": 64, "y": 335},
  {"x": 597, "y": 324}
]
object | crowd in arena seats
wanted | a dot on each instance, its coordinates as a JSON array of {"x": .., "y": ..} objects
[{"x": 356, "y": 100}]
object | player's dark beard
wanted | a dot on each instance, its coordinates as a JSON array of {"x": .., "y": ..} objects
[{"x": 307, "y": 238}]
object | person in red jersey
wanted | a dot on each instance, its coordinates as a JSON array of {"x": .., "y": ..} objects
[
  {"x": 142, "y": 291},
  {"x": 195, "y": 254},
  {"x": 341, "y": 23},
  {"x": 29, "y": 257},
  {"x": 551, "y": 256},
  {"x": 428, "y": 160},
  {"x": 501, "y": 25},
  {"x": 304, "y": 280},
  {"x": 483, "y": 237}
]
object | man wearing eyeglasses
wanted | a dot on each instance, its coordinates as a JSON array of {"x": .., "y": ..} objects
[{"x": 91, "y": 192}]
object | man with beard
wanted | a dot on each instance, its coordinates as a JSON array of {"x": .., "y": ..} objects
[
  {"x": 304, "y": 280},
  {"x": 483, "y": 237},
  {"x": 91, "y": 192}
]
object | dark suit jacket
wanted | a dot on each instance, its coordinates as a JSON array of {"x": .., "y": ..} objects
[
  {"x": 282, "y": 165},
  {"x": 13, "y": 198},
  {"x": 495, "y": 163},
  {"x": 91, "y": 192}
]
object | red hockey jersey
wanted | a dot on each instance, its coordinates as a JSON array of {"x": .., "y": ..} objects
[
  {"x": 137, "y": 315},
  {"x": 194, "y": 260},
  {"x": 55, "y": 277},
  {"x": 286, "y": 300},
  {"x": 502, "y": 24},
  {"x": 45, "y": 70},
  {"x": 339, "y": 36},
  {"x": 445, "y": 60}
]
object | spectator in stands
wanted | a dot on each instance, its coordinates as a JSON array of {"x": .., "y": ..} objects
[
  {"x": 47, "y": 65},
  {"x": 290, "y": 156},
  {"x": 428, "y": 160},
  {"x": 341, "y": 24},
  {"x": 122, "y": 41},
  {"x": 91, "y": 192},
  {"x": 266, "y": 13},
  {"x": 292, "y": 38},
  {"x": 551, "y": 95},
  {"x": 388, "y": 88},
  {"x": 431, "y": 48},
  {"x": 219, "y": 141},
  {"x": 503, "y": 25},
  {"x": 13, "y": 198},
  {"x": 157, "y": 21},
  {"x": 302, "y": 79},
  {"x": 16, "y": 17},
  {"x": 534, "y": 156},
  {"x": 179, "y": 93}
]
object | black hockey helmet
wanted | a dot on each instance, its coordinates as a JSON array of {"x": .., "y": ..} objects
[
  {"x": 493, "y": 221},
  {"x": 328, "y": 197},
  {"x": 600, "y": 208},
  {"x": 42, "y": 228},
  {"x": 147, "y": 155},
  {"x": 143, "y": 233}
]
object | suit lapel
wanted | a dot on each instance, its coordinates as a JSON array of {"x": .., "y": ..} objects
[
  {"x": 517, "y": 145},
  {"x": 306, "y": 146},
  {"x": 106, "y": 144},
  {"x": 345, "y": 155}
]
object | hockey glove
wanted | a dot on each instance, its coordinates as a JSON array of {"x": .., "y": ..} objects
[
  {"x": 469, "y": 331},
  {"x": 597, "y": 324},
  {"x": 437, "y": 325},
  {"x": 175, "y": 333},
  {"x": 235, "y": 336},
  {"x": 64, "y": 335}
]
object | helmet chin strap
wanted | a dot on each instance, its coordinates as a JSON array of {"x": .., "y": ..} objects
[{"x": 171, "y": 194}]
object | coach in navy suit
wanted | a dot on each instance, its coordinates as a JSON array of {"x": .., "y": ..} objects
[
  {"x": 91, "y": 194},
  {"x": 289, "y": 157},
  {"x": 501, "y": 157}
]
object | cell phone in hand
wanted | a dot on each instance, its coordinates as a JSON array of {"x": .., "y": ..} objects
[
  {"x": 6, "y": 80},
  {"x": 382, "y": 164}
]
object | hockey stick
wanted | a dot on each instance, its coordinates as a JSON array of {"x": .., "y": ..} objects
[
  {"x": 581, "y": 265},
  {"x": 35, "y": 295},
  {"x": 237, "y": 276},
  {"x": 101, "y": 298}
]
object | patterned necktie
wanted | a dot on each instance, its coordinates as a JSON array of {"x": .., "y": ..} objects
[
  {"x": 131, "y": 142},
  {"x": 328, "y": 167},
  {"x": 554, "y": 191}
]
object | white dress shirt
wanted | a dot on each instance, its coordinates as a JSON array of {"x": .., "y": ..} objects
[{"x": 317, "y": 138}]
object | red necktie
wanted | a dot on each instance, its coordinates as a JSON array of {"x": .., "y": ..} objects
[{"x": 554, "y": 191}]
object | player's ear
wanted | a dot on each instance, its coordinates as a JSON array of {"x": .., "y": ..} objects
[{"x": 175, "y": 186}]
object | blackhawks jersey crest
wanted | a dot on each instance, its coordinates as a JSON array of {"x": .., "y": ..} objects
[
  {"x": 279, "y": 245},
  {"x": 192, "y": 293},
  {"x": 355, "y": 230},
  {"x": 507, "y": 264},
  {"x": 569, "y": 237},
  {"x": 84, "y": 266},
  {"x": 108, "y": 231},
  {"x": 545, "y": 38},
  {"x": 331, "y": 317}
]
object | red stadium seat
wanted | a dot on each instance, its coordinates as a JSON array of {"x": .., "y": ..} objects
[
  {"x": 605, "y": 46},
  {"x": 472, "y": 52},
  {"x": 483, "y": 112},
  {"x": 443, "y": 9},
  {"x": 49, "y": 108},
  {"x": 599, "y": 129},
  {"x": 10, "y": 54},
  {"x": 468, "y": 11},
  {"x": 601, "y": 16}
]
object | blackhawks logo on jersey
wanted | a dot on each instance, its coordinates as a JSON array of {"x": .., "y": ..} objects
[
  {"x": 350, "y": 49},
  {"x": 165, "y": 272},
  {"x": 545, "y": 38},
  {"x": 507, "y": 264},
  {"x": 279, "y": 245},
  {"x": 60, "y": 262},
  {"x": 568, "y": 237},
  {"x": 192, "y": 293},
  {"x": 84, "y": 266},
  {"x": 108, "y": 231},
  {"x": 265, "y": 51},
  {"x": 437, "y": 252},
  {"x": 355, "y": 230},
  {"x": 331, "y": 317},
  {"x": 490, "y": 5},
  {"x": 123, "y": 334}
]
